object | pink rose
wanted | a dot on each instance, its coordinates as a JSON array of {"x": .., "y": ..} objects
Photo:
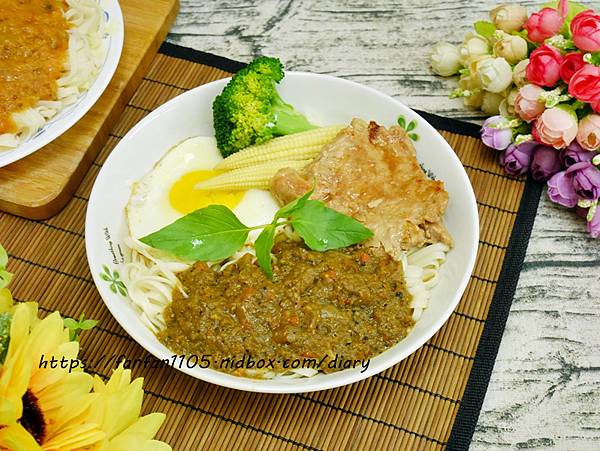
[
  {"x": 556, "y": 127},
  {"x": 543, "y": 25},
  {"x": 588, "y": 135},
  {"x": 527, "y": 105},
  {"x": 585, "y": 85},
  {"x": 585, "y": 28},
  {"x": 544, "y": 66},
  {"x": 571, "y": 63}
]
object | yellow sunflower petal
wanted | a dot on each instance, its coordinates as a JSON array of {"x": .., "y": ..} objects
[
  {"x": 147, "y": 426},
  {"x": 75, "y": 437},
  {"x": 139, "y": 436},
  {"x": 16, "y": 438},
  {"x": 72, "y": 387},
  {"x": 6, "y": 300},
  {"x": 19, "y": 329},
  {"x": 120, "y": 402},
  {"x": 8, "y": 412},
  {"x": 46, "y": 336},
  {"x": 128, "y": 442}
]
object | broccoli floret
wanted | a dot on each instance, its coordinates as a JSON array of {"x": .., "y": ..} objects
[{"x": 250, "y": 111}]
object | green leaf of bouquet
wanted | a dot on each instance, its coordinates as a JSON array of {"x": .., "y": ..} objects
[
  {"x": 3, "y": 257},
  {"x": 211, "y": 233},
  {"x": 595, "y": 59},
  {"x": 287, "y": 210},
  {"x": 70, "y": 323},
  {"x": 5, "y": 320},
  {"x": 323, "y": 228},
  {"x": 263, "y": 246},
  {"x": 88, "y": 324},
  {"x": 5, "y": 278},
  {"x": 484, "y": 28},
  {"x": 402, "y": 122},
  {"x": 411, "y": 126}
]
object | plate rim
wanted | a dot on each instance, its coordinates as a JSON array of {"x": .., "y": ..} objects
[{"x": 248, "y": 384}]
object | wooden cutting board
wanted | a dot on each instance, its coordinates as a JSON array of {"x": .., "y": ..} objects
[{"x": 40, "y": 185}]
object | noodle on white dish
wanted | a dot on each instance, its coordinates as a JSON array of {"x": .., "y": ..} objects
[
  {"x": 85, "y": 56},
  {"x": 151, "y": 277},
  {"x": 421, "y": 272}
]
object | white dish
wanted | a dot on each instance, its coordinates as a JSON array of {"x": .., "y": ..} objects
[
  {"x": 66, "y": 118},
  {"x": 325, "y": 100}
]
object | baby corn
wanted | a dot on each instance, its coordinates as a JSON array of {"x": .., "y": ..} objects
[
  {"x": 258, "y": 176},
  {"x": 299, "y": 146}
]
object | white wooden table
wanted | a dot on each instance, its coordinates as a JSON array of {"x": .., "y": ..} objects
[{"x": 545, "y": 389}]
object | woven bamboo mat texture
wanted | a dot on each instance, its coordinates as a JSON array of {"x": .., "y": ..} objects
[{"x": 412, "y": 405}]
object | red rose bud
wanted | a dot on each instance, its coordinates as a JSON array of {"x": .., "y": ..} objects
[
  {"x": 585, "y": 28},
  {"x": 584, "y": 85},
  {"x": 571, "y": 63},
  {"x": 543, "y": 25},
  {"x": 544, "y": 66}
]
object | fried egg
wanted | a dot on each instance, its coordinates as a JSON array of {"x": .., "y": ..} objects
[{"x": 167, "y": 192}]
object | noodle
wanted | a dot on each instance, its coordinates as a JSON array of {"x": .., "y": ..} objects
[
  {"x": 150, "y": 281},
  {"x": 85, "y": 56}
]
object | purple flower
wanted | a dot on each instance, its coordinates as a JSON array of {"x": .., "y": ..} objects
[
  {"x": 586, "y": 180},
  {"x": 561, "y": 191},
  {"x": 496, "y": 138},
  {"x": 545, "y": 164},
  {"x": 516, "y": 160},
  {"x": 593, "y": 226},
  {"x": 574, "y": 153}
]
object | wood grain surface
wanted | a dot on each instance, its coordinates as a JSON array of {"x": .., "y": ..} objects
[
  {"x": 38, "y": 186},
  {"x": 545, "y": 390}
]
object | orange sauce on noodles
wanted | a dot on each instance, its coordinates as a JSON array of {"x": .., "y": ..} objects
[{"x": 33, "y": 51}]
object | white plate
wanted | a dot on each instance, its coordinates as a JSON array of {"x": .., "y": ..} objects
[
  {"x": 67, "y": 117},
  {"x": 326, "y": 100}
]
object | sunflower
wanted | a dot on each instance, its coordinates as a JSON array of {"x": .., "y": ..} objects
[{"x": 60, "y": 406}]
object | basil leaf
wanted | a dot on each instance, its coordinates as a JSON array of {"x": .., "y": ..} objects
[
  {"x": 211, "y": 233},
  {"x": 287, "y": 210},
  {"x": 323, "y": 228},
  {"x": 263, "y": 246},
  {"x": 484, "y": 28}
]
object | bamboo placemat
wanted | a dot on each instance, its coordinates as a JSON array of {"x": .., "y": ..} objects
[{"x": 431, "y": 400}]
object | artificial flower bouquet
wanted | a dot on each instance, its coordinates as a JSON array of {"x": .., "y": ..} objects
[
  {"x": 62, "y": 407},
  {"x": 539, "y": 76}
]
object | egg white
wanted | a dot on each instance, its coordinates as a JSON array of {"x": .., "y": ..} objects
[{"x": 149, "y": 208}]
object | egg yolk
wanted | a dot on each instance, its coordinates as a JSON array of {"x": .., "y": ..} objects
[{"x": 185, "y": 198}]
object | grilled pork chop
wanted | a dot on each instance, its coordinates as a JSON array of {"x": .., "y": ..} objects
[{"x": 372, "y": 174}]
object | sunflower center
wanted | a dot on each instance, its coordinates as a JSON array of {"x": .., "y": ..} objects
[{"x": 33, "y": 417}]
